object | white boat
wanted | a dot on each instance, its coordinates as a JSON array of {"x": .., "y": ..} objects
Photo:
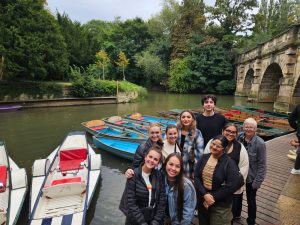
[
  {"x": 13, "y": 188},
  {"x": 63, "y": 184}
]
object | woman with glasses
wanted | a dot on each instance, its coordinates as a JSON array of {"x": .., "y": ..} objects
[
  {"x": 238, "y": 153},
  {"x": 217, "y": 177}
]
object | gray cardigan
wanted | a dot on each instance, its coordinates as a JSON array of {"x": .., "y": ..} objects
[{"x": 256, "y": 149}]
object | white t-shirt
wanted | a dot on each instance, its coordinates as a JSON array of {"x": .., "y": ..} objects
[
  {"x": 168, "y": 149},
  {"x": 148, "y": 184}
]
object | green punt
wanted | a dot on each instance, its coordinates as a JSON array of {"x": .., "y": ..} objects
[{"x": 262, "y": 112}]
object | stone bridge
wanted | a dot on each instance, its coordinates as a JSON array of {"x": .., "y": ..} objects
[{"x": 270, "y": 72}]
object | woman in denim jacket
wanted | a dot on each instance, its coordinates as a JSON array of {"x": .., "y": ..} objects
[
  {"x": 191, "y": 142},
  {"x": 180, "y": 191}
]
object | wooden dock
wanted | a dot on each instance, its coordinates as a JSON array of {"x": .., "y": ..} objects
[{"x": 278, "y": 172}]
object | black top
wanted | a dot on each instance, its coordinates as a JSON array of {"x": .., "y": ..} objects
[
  {"x": 210, "y": 126},
  {"x": 224, "y": 182},
  {"x": 294, "y": 120},
  {"x": 139, "y": 155},
  {"x": 138, "y": 197},
  {"x": 235, "y": 154}
]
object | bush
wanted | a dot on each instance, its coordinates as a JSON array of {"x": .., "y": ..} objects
[
  {"x": 226, "y": 87},
  {"x": 90, "y": 87}
]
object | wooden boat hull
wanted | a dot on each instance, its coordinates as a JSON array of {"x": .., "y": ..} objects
[
  {"x": 61, "y": 193},
  {"x": 123, "y": 149},
  {"x": 12, "y": 198}
]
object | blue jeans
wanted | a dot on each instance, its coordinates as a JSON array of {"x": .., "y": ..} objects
[{"x": 251, "y": 201}]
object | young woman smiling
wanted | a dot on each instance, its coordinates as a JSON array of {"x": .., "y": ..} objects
[
  {"x": 170, "y": 143},
  {"x": 191, "y": 142},
  {"x": 238, "y": 153},
  {"x": 145, "y": 192},
  {"x": 216, "y": 179},
  {"x": 155, "y": 137},
  {"x": 181, "y": 194}
]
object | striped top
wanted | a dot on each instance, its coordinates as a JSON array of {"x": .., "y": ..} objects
[{"x": 207, "y": 176}]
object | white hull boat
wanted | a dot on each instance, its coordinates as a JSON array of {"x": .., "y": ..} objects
[
  {"x": 63, "y": 184},
  {"x": 13, "y": 188}
]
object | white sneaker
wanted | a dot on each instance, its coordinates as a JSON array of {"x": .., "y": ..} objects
[
  {"x": 294, "y": 171},
  {"x": 293, "y": 151}
]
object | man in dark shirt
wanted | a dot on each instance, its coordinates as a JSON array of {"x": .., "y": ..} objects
[
  {"x": 294, "y": 120},
  {"x": 210, "y": 123}
]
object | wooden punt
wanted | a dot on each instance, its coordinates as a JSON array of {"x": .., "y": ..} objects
[
  {"x": 121, "y": 148},
  {"x": 63, "y": 184},
  {"x": 13, "y": 188},
  {"x": 109, "y": 130},
  {"x": 150, "y": 119}
]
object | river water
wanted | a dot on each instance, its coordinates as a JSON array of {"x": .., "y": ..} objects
[{"x": 34, "y": 133}]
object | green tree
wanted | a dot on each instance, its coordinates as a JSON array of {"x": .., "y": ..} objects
[
  {"x": 32, "y": 45},
  {"x": 178, "y": 80},
  {"x": 103, "y": 61},
  {"x": 152, "y": 66},
  {"x": 192, "y": 20},
  {"x": 234, "y": 16},
  {"x": 81, "y": 45},
  {"x": 209, "y": 64},
  {"x": 122, "y": 62}
]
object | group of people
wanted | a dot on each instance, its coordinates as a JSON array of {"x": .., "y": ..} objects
[{"x": 201, "y": 166}]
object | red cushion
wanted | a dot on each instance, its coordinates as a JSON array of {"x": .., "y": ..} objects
[
  {"x": 71, "y": 159},
  {"x": 3, "y": 177},
  {"x": 120, "y": 122},
  {"x": 66, "y": 180},
  {"x": 99, "y": 127}
]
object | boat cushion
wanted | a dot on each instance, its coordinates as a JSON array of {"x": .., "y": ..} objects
[
  {"x": 66, "y": 180},
  {"x": 3, "y": 177},
  {"x": 99, "y": 128},
  {"x": 71, "y": 159}
]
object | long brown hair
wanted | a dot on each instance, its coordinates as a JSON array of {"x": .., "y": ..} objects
[
  {"x": 192, "y": 127},
  {"x": 178, "y": 185}
]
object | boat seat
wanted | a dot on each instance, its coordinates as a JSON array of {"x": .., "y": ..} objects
[
  {"x": 99, "y": 127},
  {"x": 72, "y": 159},
  {"x": 3, "y": 178},
  {"x": 64, "y": 187}
]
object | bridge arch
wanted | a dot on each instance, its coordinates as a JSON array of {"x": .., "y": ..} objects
[
  {"x": 270, "y": 84},
  {"x": 248, "y": 81}
]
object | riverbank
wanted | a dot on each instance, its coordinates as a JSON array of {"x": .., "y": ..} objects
[{"x": 122, "y": 97}]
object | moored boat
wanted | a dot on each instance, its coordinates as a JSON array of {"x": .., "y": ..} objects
[
  {"x": 121, "y": 148},
  {"x": 13, "y": 188},
  {"x": 135, "y": 125},
  {"x": 63, "y": 184},
  {"x": 108, "y": 130},
  {"x": 9, "y": 108},
  {"x": 261, "y": 112},
  {"x": 150, "y": 119}
]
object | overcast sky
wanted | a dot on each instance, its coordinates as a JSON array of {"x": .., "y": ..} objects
[{"x": 86, "y": 10}]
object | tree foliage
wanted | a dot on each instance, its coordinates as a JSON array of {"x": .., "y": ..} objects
[
  {"x": 191, "y": 21},
  {"x": 152, "y": 66},
  {"x": 102, "y": 60},
  {"x": 122, "y": 62},
  {"x": 31, "y": 43}
]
